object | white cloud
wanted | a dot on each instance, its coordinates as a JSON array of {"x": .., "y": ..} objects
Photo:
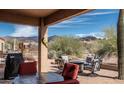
[
  {"x": 95, "y": 34},
  {"x": 81, "y": 20},
  {"x": 101, "y": 13},
  {"x": 87, "y": 23},
  {"x": 58, "y": 26},
  {"x": 75, "y": 20},
  {"x": 81, "y": 35},
  {"x": 24, "y": 31},
  {"x": 70, "y": 22}
]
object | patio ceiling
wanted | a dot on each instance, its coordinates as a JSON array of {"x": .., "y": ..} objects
[{"x": 33, "y": 16}]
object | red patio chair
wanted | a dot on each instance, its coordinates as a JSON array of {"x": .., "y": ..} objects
[
  {"x": 27, "y": 68},
  {"x": 73, "y": 81},
  {"x": 70, "y": 71}
]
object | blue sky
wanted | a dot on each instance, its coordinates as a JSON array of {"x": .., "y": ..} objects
[{"x": 92, "y": 23}]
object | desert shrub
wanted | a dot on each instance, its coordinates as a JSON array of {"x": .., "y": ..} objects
[
  {"x": 52, "y": 54},
  {"x": 92, "y": 47},
  {"x": 108, "y": 45},
  {"x": 66, "y": 45}
]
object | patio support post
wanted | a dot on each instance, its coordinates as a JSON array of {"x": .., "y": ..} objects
[
  {"x": 42, "y": 48},
  {"x": 120, "y": 42}
]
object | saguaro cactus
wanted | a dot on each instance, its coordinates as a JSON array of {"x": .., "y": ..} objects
[{"x": 120, "y": 37}]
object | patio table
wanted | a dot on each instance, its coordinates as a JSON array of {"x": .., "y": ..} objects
[
  {"x": 81, "y": 65},
  {"x": 34, "y": 79}
]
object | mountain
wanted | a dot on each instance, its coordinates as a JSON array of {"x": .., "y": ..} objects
[
  {"x": 88, "y": 38},
  {"x": 51, "y": 38},
  {"x": 34, "y": 38}
]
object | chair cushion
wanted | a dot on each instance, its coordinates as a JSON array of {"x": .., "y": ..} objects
[
  {"x": 27, "y": 68},
  {"x": 74, "y": 81},
  {"x": 70, "y": 71}
]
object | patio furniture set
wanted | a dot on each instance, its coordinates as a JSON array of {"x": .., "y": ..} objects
[
  {"x": 28, "y": 75},
  {"x": 92, "y": 63},
  {"x": 20, "y": 72}
]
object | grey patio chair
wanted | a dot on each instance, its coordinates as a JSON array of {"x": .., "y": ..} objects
[
  {"x": 89, "y": 61},
  {"x": 61, "y": 61},
  {"x": 94, "y": 66}
]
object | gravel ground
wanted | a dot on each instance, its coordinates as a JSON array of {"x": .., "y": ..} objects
[{"x": 103, "y": 76}]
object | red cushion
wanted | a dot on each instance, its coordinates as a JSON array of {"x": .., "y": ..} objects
[
  {"x": 27, "y": 68},
  {"x": 70, "y": 71},
  {"x": 73, "y": 81}
]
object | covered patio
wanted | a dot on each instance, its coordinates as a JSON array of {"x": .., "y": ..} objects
[{"x": 42, "y": 18}]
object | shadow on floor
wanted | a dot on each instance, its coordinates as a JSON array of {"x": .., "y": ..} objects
[
  {"x": 96, "y": 75},
  {"x": 108, "y": 77}
]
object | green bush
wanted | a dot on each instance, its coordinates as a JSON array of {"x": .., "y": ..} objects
[
  {"x": 109, "y": 44},
  {"x": 75, "y": 47},
  {"x": 52, "y": 54},
  {"x": 66, "y": 45}
]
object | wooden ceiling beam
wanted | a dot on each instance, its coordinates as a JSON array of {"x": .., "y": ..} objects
[
  {"x": 62, "y": 15},
  {"x": 58, "y": 16},
  {"x": 19, "y": 19}
]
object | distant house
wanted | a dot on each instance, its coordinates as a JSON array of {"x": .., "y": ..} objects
[{"x": 2, "y": 45}]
